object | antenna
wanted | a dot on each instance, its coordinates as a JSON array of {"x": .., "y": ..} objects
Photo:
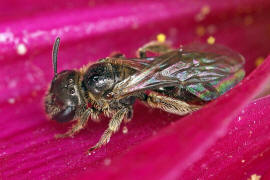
[{"x": 54, "y": 55}]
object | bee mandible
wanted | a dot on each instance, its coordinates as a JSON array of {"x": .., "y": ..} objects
[{"x": 178, "y": 81}]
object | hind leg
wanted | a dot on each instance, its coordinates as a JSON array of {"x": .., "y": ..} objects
[
  {"x": 170, "y": 105},
  {"x": 153, "y": 46},
  {"x": 117, "y": 55}
]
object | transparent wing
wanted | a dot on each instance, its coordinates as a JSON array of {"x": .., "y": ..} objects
[
  {"x": 211, "y": 70},
  {"x": 148, "y": 76},
  {"x": 204, "y": 70}
]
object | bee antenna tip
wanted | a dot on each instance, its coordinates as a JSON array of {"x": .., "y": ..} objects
[{"x": 54, "y": 54}]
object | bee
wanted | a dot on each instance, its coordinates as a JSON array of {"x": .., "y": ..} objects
[{"x": 177, "y": 81}]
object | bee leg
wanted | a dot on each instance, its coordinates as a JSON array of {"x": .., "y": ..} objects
[
  {"x": 170, "y": 105},
  {"x": 114, "y": 126},
  {"x": 117, "y": 55},
  {"x": 80, "y": 124},
  {"x": 94, "y": 113},
  {"x": 153, "y": 46},
  {"x": 129, "y": 115}
]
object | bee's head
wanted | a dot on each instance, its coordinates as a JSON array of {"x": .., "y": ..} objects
[{"x": 64, "y": 96}]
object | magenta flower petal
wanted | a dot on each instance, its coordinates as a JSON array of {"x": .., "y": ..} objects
[
  {"x": 243, "y": 151},
  {"x": 92, "y": 30}
]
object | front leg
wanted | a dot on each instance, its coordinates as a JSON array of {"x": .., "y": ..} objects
[
  {"x": 80, "y": 124},
  {"x": 114, "y": 126}
]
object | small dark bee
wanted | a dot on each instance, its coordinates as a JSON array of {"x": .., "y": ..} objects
[{"x": 178, "y": 81}]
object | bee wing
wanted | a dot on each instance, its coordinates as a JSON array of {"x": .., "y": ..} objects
[
  {"x": 218, "y": 53},
  {"x": 204, "y": 70},
  {"x": 215, "y": 69},
  {"x": 135, "y": 63},
  {"x": 147, "y": 75}
]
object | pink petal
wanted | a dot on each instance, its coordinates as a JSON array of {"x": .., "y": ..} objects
[
  {"x": 243, "y": 151},
  {"x": 28, "y": 148}
]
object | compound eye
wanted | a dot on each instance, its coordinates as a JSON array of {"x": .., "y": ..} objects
[{"x": 65, "y": 115}]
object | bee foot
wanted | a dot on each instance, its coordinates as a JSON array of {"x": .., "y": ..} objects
[{"x": 92, "y": 149}]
